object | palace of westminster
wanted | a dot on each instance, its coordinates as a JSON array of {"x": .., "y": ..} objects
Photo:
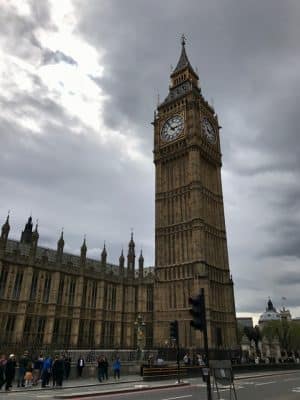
[{"x": 49, "y": 297}]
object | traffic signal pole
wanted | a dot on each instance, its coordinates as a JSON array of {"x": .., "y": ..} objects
[
  {"x": 208, "y": 386},
  {"x": 198, "y": 313},
  {"x": 174, "y": 335}
]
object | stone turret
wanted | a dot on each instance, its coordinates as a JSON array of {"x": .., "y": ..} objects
[
  {"x": 141, "y": 265},
  {"x": 27, "y": 233},
  {"x": 60, "y": 248},
  {"x": 103, "y": 257},
  {"x": 131, "y": 258},
  {"x": 34, "y": 241},
  {"x": 5, "y": 231},
  {"x": 121, "y": 263},
  {"x": 83, "y": 251}
]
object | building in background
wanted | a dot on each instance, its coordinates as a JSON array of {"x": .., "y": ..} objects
[{"x": 245, "y": 322}]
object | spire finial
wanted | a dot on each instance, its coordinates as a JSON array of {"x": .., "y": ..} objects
[
  {"x": 183, "y": 39},
  {"x": 131, "y": 229}
]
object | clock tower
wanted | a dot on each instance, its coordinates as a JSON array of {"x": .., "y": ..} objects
[{"x": 190, "y": 234}]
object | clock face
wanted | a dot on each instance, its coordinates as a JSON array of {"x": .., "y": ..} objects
[
  {"x": 172, "y": 128},
  {"x": 209, "y": 131}
]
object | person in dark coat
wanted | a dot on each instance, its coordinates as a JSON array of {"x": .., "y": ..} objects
[
  {"x": 105, "y": 367},
  {"x": 67, "y": 362},
  {"x": 3, "y": 362},
  {"x": 58, "y": 371},
  {"x": 80, "y": 365},
  {"x": 23, "y": 364},
  {"x": 10, "y": 371}
]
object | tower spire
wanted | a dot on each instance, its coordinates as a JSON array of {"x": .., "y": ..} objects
[{"x": 183, "y": 61}]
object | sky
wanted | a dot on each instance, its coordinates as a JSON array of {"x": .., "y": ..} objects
[{"x": 79, "y": 82}]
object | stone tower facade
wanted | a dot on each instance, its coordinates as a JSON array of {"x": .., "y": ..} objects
[{"x": 190, "y": 234}]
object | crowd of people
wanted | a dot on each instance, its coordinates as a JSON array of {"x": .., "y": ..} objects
[{"x": 47, "y": 371}]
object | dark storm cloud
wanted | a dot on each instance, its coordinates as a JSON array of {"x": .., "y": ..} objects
[
  {"x": 248, "y": 59},
  {"x": 247, "y": 56}
]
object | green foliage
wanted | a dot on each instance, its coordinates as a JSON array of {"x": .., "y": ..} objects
[{"x": 288, "y": 333}]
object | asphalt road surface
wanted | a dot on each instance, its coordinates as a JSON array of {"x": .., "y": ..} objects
[{"x": 277, "y": 387}]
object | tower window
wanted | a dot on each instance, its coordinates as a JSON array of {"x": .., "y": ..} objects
[
  {"x": 3, "y": 280},
  {"x": 47, "y": 286},
  {"x": 17, "y": 286},
  {"x": 60, "y": 290},
  {"x": 33, "y": 289},
  {"x": 72, "y": 292}
]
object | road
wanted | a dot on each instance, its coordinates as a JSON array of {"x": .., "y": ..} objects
[{"x": 277, "y": 387}]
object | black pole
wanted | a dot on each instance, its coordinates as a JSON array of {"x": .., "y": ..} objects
[
  {"x": 178, "y": 364},
  {"x": 208, "y": 387}
]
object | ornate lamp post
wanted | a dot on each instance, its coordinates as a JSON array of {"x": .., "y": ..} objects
[{"x": 140, "y": 335}]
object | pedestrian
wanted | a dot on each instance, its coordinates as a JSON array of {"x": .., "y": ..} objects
[
  {"x": 105, "y": 370},
  {"x": 28, "y": 377},
  {"x": 186, "y": 359},
  {"x": 200, "y": 360},
  {"x": 67, "y": 362},
  {"x": 23, "y": 364},
  {"x": 46, "y": 371},
  {"x": 10, "y": 370},
  {"x": 100, "y": 368},
  {"x": 37, "y": 368},
  {"x": 58, "y": 371},
  {"x": 117, "y": 368},
  {"x": 80, "y": 365},
  {"x": 3, "y": 362}
]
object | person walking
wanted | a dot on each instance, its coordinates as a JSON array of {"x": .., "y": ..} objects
[
  {"x": 80, "y": 365},
  {"x": 100, "y": 368},
  {"x": 67, "y": 362},
  {"x": 58, "y": 371},
  {"x": 3, "y": 362},
  {"x": 23, "y": 364},
  {"x": 117, "y": 368},
  {"x": 105, "y": 370},
  {"x": 46, "y": 371},
  {"x": 10, "y": 371},
  {"x": 37, "y": 368}
]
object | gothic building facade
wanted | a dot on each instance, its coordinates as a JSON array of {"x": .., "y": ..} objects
[{"x": 51, "y": 297}]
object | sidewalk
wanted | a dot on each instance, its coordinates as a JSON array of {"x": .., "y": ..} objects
[{"x": 91, "y": 386}]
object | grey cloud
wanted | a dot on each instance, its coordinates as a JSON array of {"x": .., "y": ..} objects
[
  {"x": 247, "y": 55},
  {"x": 55, "y": 57}
]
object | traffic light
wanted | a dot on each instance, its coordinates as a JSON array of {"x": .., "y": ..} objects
[
  {"x": 198, "y": 312},
  {"x": 174, "y": 330}
]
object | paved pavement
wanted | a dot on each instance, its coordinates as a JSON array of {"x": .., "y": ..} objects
[{"x": 91, "y": 387}]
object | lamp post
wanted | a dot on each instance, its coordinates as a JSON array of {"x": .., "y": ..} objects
[{"x": 140, "y": 335}]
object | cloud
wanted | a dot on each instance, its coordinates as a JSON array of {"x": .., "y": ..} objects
[
  {"x": 79, "y": 141},
  {"x": 54, "y": 57}
]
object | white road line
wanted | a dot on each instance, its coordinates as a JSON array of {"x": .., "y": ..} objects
[
  {"x": 296, "y": 390},
  {"x": 178, "y": 397},
  {"x": 264, "y": 383}
]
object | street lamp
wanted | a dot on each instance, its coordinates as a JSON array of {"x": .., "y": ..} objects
[{"x": 140, "y": 335}]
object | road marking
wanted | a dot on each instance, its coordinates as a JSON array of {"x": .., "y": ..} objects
[
  {"x": 178, "y": 397},
  {"x": 264, "y": 383},
  {"x": 296, "y": 390}
]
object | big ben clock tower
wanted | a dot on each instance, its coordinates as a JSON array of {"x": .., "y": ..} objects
[{"x": 190, "y": 234}]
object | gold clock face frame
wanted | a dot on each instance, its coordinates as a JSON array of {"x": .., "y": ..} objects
[{"x": 172, "y": 128}]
